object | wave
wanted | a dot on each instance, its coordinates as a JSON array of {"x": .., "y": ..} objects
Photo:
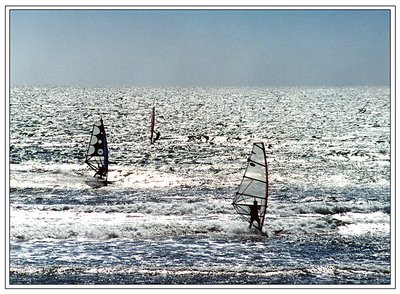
[
  {"x": 143, "y": 221},
  {"x": 342, "y": 208}
]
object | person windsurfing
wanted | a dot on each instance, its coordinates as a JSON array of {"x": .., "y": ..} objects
[
  {"x": 158, "y": 134},
  {"x": 254, "y": 213},
  {"x": 102, "y": 172}
]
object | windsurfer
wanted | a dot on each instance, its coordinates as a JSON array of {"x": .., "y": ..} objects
[
  {"x": 254, "y": 213},
  {"x": 153, "y": 140},
  {"x": 158, "y": 134},
  {"x": 101, "y": 172}
]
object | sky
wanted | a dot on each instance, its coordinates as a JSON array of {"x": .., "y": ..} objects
[{"x": 205, "y": 47}]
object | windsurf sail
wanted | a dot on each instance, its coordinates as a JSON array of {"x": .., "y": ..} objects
[
  {"x": 254, "y": 187},
  {"x": 97, "y": 153},
  {"x": 152, "y": 124}
]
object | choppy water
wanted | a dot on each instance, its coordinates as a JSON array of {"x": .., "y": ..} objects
[{"x": 168, "y": 219}]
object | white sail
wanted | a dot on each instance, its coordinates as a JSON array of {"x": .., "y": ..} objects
[{"x": 254, "y": 185}]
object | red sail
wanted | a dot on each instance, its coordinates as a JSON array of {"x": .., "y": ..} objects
[{"x": 153, "y": 114}]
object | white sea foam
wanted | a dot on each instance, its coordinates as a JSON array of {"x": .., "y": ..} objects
[{"x": 170, "y": 203}]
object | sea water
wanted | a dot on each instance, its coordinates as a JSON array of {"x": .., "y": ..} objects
[{"x": 168, "y": 217}]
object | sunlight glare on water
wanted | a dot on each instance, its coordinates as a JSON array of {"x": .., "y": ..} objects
[{"x": 168, "y": 218}]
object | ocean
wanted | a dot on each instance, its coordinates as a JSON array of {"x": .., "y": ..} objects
[{"x": 168, "y": 219}]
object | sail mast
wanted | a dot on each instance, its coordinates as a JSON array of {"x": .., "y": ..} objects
[
  {"x": 153, "y": 114},
  {"x": 266, "y": 189},
  {"x": 105, "y": 150},
  {"x": 153, "y": 121}
]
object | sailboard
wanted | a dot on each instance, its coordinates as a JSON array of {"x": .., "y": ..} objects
[
  {"x": 97, "y": 155},
  {"x": 153, "y": 132},
  {"x": 254, "y": 187}
]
